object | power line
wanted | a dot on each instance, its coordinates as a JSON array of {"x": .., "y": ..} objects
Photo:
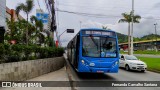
[
  {"x": 98, "y": 15},
  {"x": 49, "y": 11},
  {"x": 107, "y": 8},
  {"x": 57, "y": 5},
  {"x": 39, "y": 5},
  {"x": 82, "y": 13},
  {"x": 101, "y": 9},
  {"x": 73, "y": 5},
  {"x": 45, "y": 5}
]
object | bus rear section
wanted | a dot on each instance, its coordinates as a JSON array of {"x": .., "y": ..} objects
[{"x": 99, "y": 52}]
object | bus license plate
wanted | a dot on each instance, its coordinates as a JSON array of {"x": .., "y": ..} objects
[{"x": 100, "y": 71}]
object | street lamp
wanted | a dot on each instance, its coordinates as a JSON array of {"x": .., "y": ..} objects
[
  {"x": 68, "y": 31},
  {"x": 132, "y": 28},
  {"x": 156, "y": 34}
]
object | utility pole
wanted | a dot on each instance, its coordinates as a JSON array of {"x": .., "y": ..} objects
[
  {"x": 155, "y": 35},
  {"x": 131, "y": 49},
  {"x": 53, "y": 23}
]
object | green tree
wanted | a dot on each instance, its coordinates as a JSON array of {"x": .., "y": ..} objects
[
  {"x": 16, "y": 30},
  {"x": 27, "y": 8},
  {"x": 38, "y": 23},
  {"x": 127, "y": 18},
  {"x": 39, "y": 29}
]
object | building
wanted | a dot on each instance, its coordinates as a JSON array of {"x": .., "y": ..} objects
[
  {"x": 143, "y": 45},
  {"x": 46, "y": 20},
  {"x": 2, "y": 13},
  {"x": 11, "y": 15},
  {"x": 41, "y": 15}
]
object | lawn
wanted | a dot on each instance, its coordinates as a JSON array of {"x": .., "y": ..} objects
[
  {"x": 142, "y": 52},
  {"x": 152, "y": 63}
]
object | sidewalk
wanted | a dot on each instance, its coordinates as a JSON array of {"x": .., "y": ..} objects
[{"x": 59, "y": 75}]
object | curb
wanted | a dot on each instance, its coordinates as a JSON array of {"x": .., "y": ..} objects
[{"x": 155, "y": 71}]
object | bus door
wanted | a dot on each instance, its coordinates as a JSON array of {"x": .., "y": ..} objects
[{"x": 77, "y": 51}]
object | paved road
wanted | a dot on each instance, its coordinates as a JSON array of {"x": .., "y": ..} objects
[{"x": 121, "y": 76}]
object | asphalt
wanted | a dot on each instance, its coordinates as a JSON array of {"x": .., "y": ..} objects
[{"x": 122, "y": 75}]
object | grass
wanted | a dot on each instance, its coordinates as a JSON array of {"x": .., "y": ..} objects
[
  {"x": 143, "y": 52},
  {"x": 147, "y": 52},
  {"x": 153, "y": 64}
]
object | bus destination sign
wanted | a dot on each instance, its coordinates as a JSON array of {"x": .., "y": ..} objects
[{"x": 99, "y": 33}]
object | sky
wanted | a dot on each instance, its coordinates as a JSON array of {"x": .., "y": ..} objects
[{"x": 106, "y": 13}]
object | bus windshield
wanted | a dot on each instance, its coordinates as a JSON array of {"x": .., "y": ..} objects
[{"x": 99, "y": 46}]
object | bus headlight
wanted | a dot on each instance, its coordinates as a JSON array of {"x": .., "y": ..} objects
[
  {"x": 92, "y": 64},
  {"x": 82, "y": 61},
  {"x": 116, "y": 63}
]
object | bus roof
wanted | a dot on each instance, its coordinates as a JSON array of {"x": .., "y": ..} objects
[{"x": 97, "y": 29}]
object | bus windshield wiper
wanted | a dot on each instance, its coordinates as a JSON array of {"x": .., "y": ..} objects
[{"x": 94, "y": 41}]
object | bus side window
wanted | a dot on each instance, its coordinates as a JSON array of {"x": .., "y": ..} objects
[
  {"x": 77, "y": 51},
  {"x": 77, "y": 44}
]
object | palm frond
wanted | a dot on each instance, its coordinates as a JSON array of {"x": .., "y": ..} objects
[
  {"x": 136, "y": 19},
  {"x": 122, "y": 21},
  {"x": 127, "y": 17},
  {"x": 20, "y": 7},
  {"x": 33, "y": 18},
  {"x": 40, "y": 25},
  {"x": 29, "y": 5}
]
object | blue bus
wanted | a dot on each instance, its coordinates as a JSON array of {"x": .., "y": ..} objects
[{"x": 94, "y": 51}]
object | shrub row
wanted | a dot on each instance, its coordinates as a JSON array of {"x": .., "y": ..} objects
[{"x": 14, "y": 53}]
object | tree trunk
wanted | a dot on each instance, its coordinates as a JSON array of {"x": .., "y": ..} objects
[
  {"x": 27, "y": 31},
  {"x": 129, "y": 40}
]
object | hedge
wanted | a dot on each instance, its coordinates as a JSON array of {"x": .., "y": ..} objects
[{"x": 17, "y": 52}]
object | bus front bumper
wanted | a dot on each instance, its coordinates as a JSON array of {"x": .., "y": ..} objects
[{"x": 84, "y": 68}]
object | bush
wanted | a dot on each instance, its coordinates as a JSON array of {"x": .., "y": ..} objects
[
  {"x": 19, "y": 52},
  {"x": 2, "y": 50}
]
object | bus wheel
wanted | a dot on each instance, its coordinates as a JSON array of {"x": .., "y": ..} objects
[{"x": 127, "y": 68}]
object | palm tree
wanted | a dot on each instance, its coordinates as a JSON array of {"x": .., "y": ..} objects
[
  {"x": 38, "y": 23},
  {"x": 127, "y": 18},
  {"x": 27, "y": 8},
  {"x": 39, "y": 28},
  {"x": 104, "y": 27},
  {"x": 17, "y": 30}
]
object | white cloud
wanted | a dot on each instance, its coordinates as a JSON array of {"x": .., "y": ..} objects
[{"x": 110, "y": 8}]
